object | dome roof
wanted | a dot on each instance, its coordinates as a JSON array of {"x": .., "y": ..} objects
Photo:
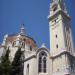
[
  {"x": 22, "y": 37},
  {"x": 26, "y": 39}
]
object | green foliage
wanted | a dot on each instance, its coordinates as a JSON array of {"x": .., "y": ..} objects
[
  {"x": 17, "y": 58},
  {"x": 16, "y": 64},
  {"x": 8, "y": 68},
  {"x": 5, "y": 64}
]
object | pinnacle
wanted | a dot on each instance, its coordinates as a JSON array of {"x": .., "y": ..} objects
[
  {"x": 43, "y": 45},
  {"x": 22, "y": 30}
]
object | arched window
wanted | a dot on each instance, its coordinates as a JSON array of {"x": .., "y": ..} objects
[
  {"x": 27, "y": 73},
  {"x": 44, "y": 64},
  {"x": 13, "y": 44},
  {"x": 42, "y": 61},
  {"x": 23, "y": 45},
  {"x": 30, "y": 48}
]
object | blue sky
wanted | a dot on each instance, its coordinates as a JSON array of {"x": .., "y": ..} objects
[{"x": 33, "y": 13}]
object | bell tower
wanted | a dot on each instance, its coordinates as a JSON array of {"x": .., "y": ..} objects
[
  {"x": 61, "y": 44},
  {"x": 60, "y": 28}
]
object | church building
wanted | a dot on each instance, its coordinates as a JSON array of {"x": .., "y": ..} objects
[{"x": 59, "y": 59}]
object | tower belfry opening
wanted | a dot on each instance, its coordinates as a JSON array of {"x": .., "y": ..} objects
[{"x": 57, "y": 5}]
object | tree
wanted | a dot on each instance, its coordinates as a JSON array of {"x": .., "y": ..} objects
[
  {"x": 11, "y": 68},
  {"x": 16, "y": 64},
  {"x": 5, "y": 65}
]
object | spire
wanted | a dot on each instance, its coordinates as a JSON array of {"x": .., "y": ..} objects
[{"x": 22, "y": 30}]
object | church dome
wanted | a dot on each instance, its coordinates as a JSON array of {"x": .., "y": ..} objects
[
  {"x": 20, "y": 40},
  {"x": 25, "y": 39}
]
